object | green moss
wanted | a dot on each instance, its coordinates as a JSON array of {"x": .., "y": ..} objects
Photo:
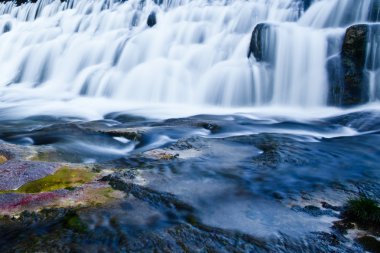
[
  {"x": 73, "y": 222},
  {"x": 364, "y": 211},
  {"x": 63, "y": 178}
]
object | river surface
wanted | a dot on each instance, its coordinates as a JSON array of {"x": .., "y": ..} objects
[{"x": 222, "y": 182}]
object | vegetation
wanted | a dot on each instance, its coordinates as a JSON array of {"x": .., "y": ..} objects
[{"x": 364, "y": 211}]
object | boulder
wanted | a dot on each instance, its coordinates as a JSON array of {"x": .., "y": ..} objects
[
  {"x": 152, "y": 20},
  {"x": 262, "y": 40},
  {"x": 306, "y": 4},
  {"x": 349, "y": 85},
  {"x": 7, "y": 27}
]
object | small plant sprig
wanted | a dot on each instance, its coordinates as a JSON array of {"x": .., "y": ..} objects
[{"x": 364, "y": 211}]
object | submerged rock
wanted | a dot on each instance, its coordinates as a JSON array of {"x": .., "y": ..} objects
[
  {"x": 132, "y": 134},
  {"x": 362, "y": 121}
]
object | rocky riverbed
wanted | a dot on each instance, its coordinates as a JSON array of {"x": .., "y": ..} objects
[{"x": 203, "y": 183}]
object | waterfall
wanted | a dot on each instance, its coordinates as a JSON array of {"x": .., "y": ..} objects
[
  {"x": 195, "y": 54},
  {"x": 372, "y": 65},
  {"x": 336, "y": 13}
]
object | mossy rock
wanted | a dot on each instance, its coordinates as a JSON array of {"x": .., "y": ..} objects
[{"x": 63, "y": 178}]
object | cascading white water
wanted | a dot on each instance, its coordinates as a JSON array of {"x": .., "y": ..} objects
[
  {"x": 336, "y": 13},
  {"x": 372, "y": 65},
  {"x": 195, "y": 54}
]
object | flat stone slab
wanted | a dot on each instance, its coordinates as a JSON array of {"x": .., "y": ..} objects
[
  {"x": 93, "y": 193},
  {"x": 15, "y": 173}
]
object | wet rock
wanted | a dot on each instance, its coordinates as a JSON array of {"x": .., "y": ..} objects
[
  {"x": 12, "y": 151},
  {"x": 31, "y": 186},
  {"x": 126, "y": 174},
  {"x": 162, "y": 154},
  {"x": 362, "y": 121},
  {"x": 152, "y": 20},
  {"x": 159, "y": 2},
  {"x": 54, "y": 133},
  {"x": 132, "y": 134},
  {"x": 155, "y": 198},
  {"x": 370, "y": 243},
  {"x": 13, "y": 204},
  {"x": 276, "y": 151},
  {"x": 197, "y": 121},
  {"x": 212, "y": 127},
  {"x": 261, "y": 45},
  {"x": 349, "y": 84},
  {"x": 176, "y": 150},
  {"x": 331, "y": 207},
  {"x": 270, "y": 157},
  {"x": 353, "y": 60},
  {"x": 72, "y": 221},
  {"x": 91, "y": 194},
  {"x": 18, "y": 2},
  {"x": 343, "y": 225},
  {"x": 15, "y": 173},
  {"x": 306, "y": 4},
  {"x": 7, "y": 27},
  {"x": 69, "y": 233}
]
